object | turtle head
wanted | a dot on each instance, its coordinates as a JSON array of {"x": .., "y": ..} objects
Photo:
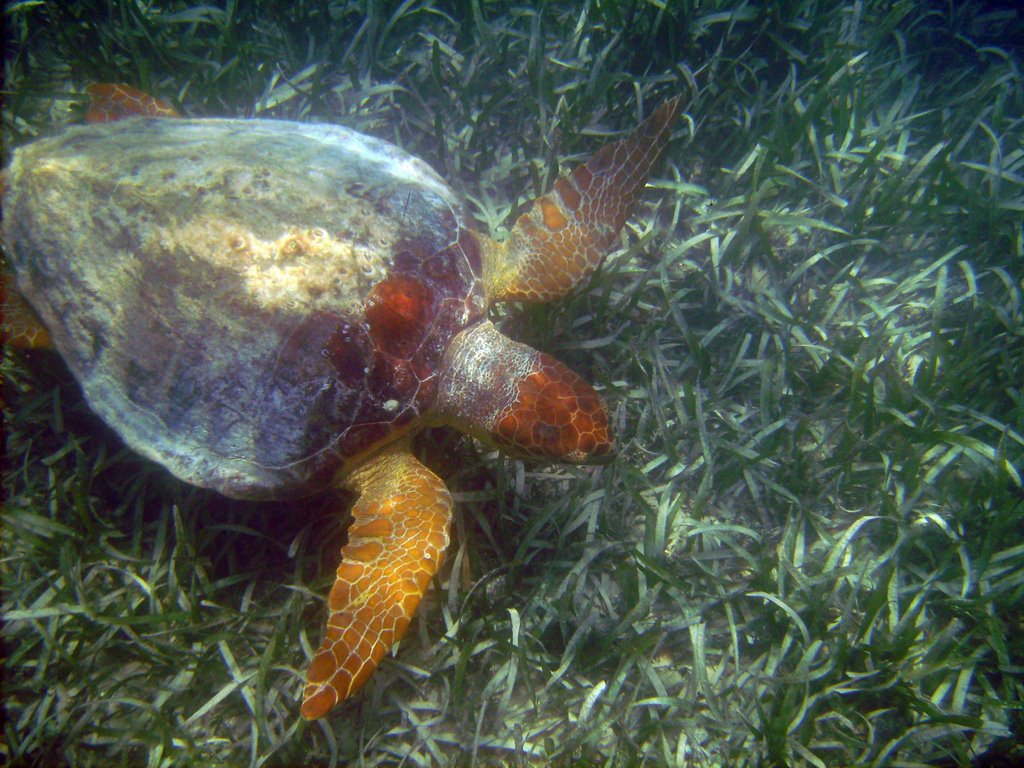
[{"x": 521, "y": 400}]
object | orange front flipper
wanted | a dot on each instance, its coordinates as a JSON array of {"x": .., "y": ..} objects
[
  {"x": 115, "y": 101},
  {"x": 397, "y": 541},
  {"x": 566, "y": 233}
]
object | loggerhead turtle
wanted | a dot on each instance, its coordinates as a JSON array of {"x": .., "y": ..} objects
[{"x": 270, "y": 309}]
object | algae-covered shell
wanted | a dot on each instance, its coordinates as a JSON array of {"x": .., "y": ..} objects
[
  {"x": 251, "y": 303},
  {"x": 270, "y": 308}
]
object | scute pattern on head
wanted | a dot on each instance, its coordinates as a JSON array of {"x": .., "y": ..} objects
[
  {"x": 554, "y": 416},
  {"x": 524, "y": 401}
]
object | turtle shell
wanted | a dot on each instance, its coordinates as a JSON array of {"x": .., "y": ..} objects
[{"x": 251, "y": 303}]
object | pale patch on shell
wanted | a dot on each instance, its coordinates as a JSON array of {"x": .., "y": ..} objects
[{"x": 287, "y": 270}]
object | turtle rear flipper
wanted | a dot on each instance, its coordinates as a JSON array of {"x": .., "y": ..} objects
[
  {"x": 396, "y": 543},
  {"x": 565, "y": 233},
  {"x": 115, "y": 101},
  {"x": 20, "y": 327}
]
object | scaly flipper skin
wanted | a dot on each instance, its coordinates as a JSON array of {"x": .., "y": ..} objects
[
  {"x": 20, "y": 327},
  {"x": 565, "y": 233},
  {"x": 396, "y": 543},
  {"x": 178, "y": 312},
  {"x": 115, "y": 101}
]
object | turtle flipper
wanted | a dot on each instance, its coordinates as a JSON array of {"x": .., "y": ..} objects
[
  {"x": 397, "y": 541},
  {"x": 20, "y": 327},
  {"x": 115, "y": 101},
  {"x": 107, "y": 102},
  {"x": 565, "y": 233}
]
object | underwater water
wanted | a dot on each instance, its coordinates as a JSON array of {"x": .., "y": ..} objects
[{"x": 806, "y": 546}]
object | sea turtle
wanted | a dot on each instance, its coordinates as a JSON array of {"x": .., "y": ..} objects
[{"x": 272, "y": 308}]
